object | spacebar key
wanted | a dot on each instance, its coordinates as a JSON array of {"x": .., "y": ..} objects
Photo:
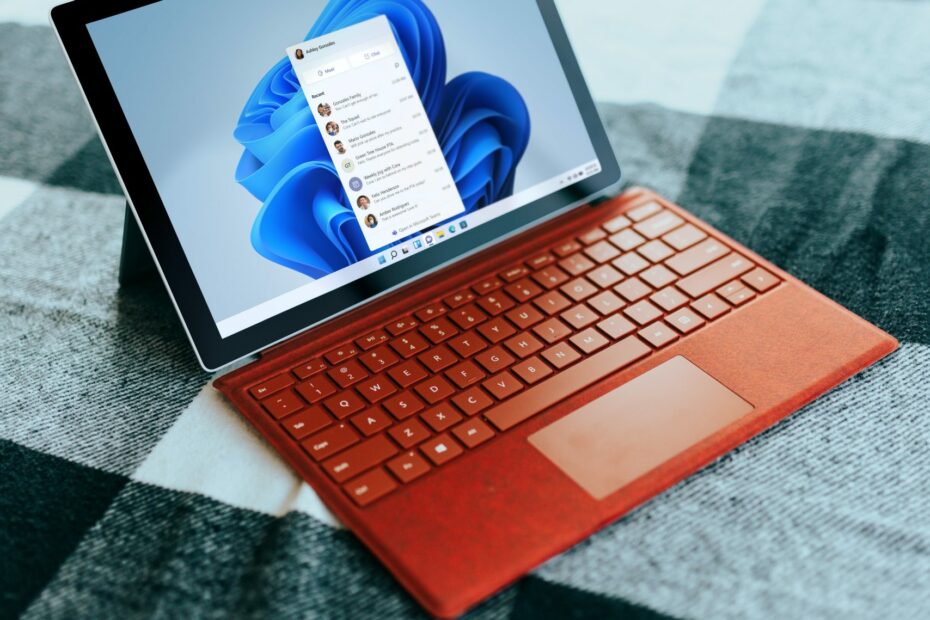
[{"x": 590, "y": 370}]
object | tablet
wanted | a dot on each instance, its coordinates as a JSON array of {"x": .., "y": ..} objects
[{"x": 289, "y": 160}]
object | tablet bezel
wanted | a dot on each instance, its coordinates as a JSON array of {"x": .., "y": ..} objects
[{"x": 213, "y": 351}]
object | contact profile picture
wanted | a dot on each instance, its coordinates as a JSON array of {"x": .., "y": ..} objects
[
  {"x": 324, "y": 109},
  {"x": 332, "y": 128},
  {"x": 363, "y": 202},
  {"x": 299, "y": 54},
  {"x": 340, "y": 147},
  {"x": 371, "y": 221}
]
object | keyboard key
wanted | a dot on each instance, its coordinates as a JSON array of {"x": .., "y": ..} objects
[
  {"x": 658, "y": 334},
  {"x": 330, "y": 441},
  {"x": 282, "y": 404},
  {"x": 487, "y": 285},
  {"x": 402, "y": 326},
  {"x": 344, "y": 404},
  {"x": 658, "y": 276},
  {"x": 576, "y": 264},
  {"x": 472, "y": 401},
  {"x": 532, "y": 370},
  {"x": 473, "y": 432},
  {"x": 407, "y": 373},
  {"x": 552, "y": 330},
  {"x": 370, "y": 486},
  {"x": 591, "y": 236},
  {"x": 408, "y": 466},
  {"x": 589, "y": 340},
  {"x": 604, "y": 276},
  {"x": 310, "y": 368},
  {"x": 730, "y": 287},
  {"x": 372, "y": 340},
  {"x": 655, "y": 251},
  {"x": 740, "y": 297},
  {"x": 468, "y": 316},
  {"x": 669, "y": 298},
  {"x": 561, "y": 355},
  {"x": 468, "y": 344},
  {"x": 684, "y": 320},
  {"x": 551, "y": 302},
  {"x": 377, "y": 388},
  {"x": 503, "y": 385},
  {"x": 465, "y": 373},
  {"x": 642, "y": 312},
  {"x": 348, "y": 373},
  {"x": 495, "y": 359},
  {"x": 459, "y": 299},
  {"x": 403, "y": 405},
  {"x": 442, "y": 449},
  {"x": 438, "y": 330},
  {"x": 630, "y": 263},
  {"x": 341, "y": 354},
  {"x": 567, "y": 248},
  {"x": 430, "y": 312},
  {"x": 632, "y": 289},
  {"x": 496, "y": 303},
  {"x": 601, "y": 252},
  {"x": 306, "y": 422},
  {"x": 616, "y": 327},
  {"x": 589, "y": 370},
  {"x": 514, "y": 273},
  {"x": 578, "y": 289},
  {"x": 371, "y": 421},
  {"x": 580, "y": 316},
  {"x": 409, "y": 344},
  {"x": 317, "y": 388},
  {"x": 379, "y": 359},
  {"x": 349, "y": 463},
  {"x": 606, "y": 303},
  {"x": 684, "y": 237},
  {"x": 616, "y": 224},
  {"x": 523, "y": 344},
  {"x": 711, "y": 306},
  {"x": 434, "y": 389},
  {"x": 540, "y": 261},
  {"x": 524, "y": 316},
  {"x": 760, "y": 279},
  {"x": 702, "y": 254},
  {"x": 550, "y": 277},
  {"x": 496, "y": 330},
  {"x": 714, "y": 275},
  {"x": 409, "y": 433},
  {"x": 438, "y": 358},
  {"x": 269, "y": 387},
  {"x": 441, "y": 417},
  {"x": 640, "y": 213},
  {"x": 627, "y": 239},
  {"x": 658, "y": 224},
  {"x": 524, "y": 290}
]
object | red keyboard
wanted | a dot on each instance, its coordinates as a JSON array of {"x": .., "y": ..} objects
[{"x": 378, "y": 413}]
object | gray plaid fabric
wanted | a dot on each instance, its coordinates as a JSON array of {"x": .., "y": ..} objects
[{"x": 130, "y": 489}]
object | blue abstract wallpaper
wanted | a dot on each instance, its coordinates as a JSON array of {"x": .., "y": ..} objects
[{"x": 305, "y": 222}]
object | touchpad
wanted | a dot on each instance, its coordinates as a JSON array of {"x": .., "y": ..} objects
[{"x": 625, "y": 433}]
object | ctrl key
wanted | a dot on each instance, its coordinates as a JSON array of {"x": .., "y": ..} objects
[{"x": 370, "y": 486}]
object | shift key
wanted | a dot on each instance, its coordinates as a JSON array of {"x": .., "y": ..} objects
[
  {"x": 714, "y": 275},
  {"x": 357, "y": 459}
]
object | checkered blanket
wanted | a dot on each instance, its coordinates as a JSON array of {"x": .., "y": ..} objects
[{"x": 128, "y": 488}]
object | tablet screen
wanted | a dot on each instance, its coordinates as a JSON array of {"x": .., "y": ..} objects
[{"x": 299, "y": 145}]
